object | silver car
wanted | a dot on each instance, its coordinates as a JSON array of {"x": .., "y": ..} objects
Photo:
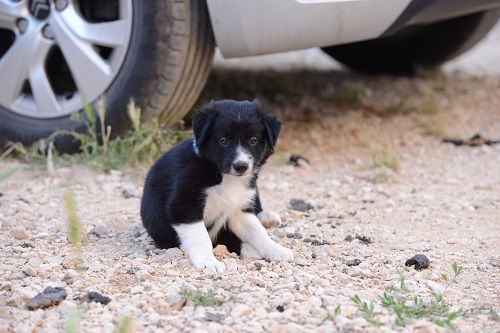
[{"x": 55, "y": 54}]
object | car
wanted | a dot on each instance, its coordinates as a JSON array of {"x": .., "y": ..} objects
[{"x": 56, "y": 55}]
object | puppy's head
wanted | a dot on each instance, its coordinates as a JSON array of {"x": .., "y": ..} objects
[{"x": 237, "y": 137}]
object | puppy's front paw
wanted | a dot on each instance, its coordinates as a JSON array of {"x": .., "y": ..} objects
[
  {"x": 269, "y": 218},
  {"x": 209, "y": 263},
  {"x": 278, "y": 253},
  {"x": 248, "y": 251}
]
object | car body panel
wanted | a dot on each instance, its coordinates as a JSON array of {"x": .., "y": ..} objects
[
  {"x": 254, "y": 27},
  {"x": 245, "y": 28}
]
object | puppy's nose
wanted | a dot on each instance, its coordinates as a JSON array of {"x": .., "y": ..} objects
[{"x": 240, "y": 166}]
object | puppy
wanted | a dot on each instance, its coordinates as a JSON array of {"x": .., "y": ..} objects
[{"x": 203, "y": 192}]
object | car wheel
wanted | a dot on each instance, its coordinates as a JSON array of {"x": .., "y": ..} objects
[
  {"x": 416, "y": 47},
  {"x": 56, "y": 54}
]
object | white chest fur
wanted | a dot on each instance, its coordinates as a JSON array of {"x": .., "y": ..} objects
[{"x": 224, "y": 200}]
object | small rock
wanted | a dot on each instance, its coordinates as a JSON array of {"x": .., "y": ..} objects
[
  {"x": 72, "y": 262},
  {"x": 20, "y": 234},
  {"x": 180, "y": 304},
  {"x": 68, "y": 279},
  {"x": 136, "y": 289},
  {"x": 240, "y": 310},
  {"x": 29, "y": 270},
  {"x": 435, "y": 287},
  {"x": 363, "y": 239},
  {"x": 221, "y": 250},
  {"x": 258, "y": 266},
  {"x": 300, "y": 205},
  {"x": 93, "y": 296},
  {"x": 419, "y": 260},
  {"x": 49, "y": 297},
  {"x": 128, "y": 194},
  {"x": 353, "y": 262},
  {"x": 100, "y": 229},
  {"x": 6, "y": 285},
  {"x": 348, "y": 238},
  {"x": 280, "y": 308},
  {"x": 298, "y": 161},
  {"x": 257, "y": 281},
  {"x": 295, "y": 235},
  {"x": 174, "y": 253}
]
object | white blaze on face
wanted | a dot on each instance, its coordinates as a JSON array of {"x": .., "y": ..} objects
[{"x": 242, "y": 155}]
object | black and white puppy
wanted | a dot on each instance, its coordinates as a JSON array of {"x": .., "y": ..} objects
[{"x": 203, "y": 192}]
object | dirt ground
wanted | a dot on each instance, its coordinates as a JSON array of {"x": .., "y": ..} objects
[{"x": 377, "y": 169}]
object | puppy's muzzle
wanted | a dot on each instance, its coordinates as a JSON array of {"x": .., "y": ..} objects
[{"x": 240, "y": 167}]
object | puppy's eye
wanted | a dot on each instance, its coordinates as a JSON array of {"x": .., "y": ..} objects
[
  {"x": 223, "y": 141},
  {"x": 253, "y": 140}
]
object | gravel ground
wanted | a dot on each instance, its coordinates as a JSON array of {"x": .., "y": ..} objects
[{"x": 444, "y": 201}]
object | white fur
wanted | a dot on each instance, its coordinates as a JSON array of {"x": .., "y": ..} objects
[
  {"x": 249, "y": 229},
  {"x": 242, "y": 155},
  {"x": 248, "y": 251},
  {"x": 225, "y": 199},
  {"x": 195, "y": 241},
  {"x": 268, "y": 218},
  {"x": 195, "y": 147}
]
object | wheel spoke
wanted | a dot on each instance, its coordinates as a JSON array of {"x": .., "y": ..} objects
[
  {"x": 112, "y": 33},
  {"x": 15, "y": 66},
  {"x": 43, "y": 93},
  {"x": 10, "y": 12},
  {"x": 91, "y": 73}
]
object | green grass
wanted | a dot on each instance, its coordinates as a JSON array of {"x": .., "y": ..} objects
[
  {"x": 124, "y": 325},
  {"x": 73, "y": 321},
  {"x": 331, "y": 315},
  {"x": 406, "y": 307},
  {"x": 385, "y": 156},
  {"x": 74, "y": 233},
  {"x": 143, "y": 143},
  {"x": 210, "y": 297},
  {"x": 7, "y": 173},
  {"x": 351, "y": 93},
  {"x": 368, "y": 309}
]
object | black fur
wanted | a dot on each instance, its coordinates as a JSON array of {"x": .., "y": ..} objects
[{"x": 175, "y": 186}]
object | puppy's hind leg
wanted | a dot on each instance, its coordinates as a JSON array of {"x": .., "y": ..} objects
[
  {"x": 268, "y": 218},
  {"x": 196, "y": 242}
]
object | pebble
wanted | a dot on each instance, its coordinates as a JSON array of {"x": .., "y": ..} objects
[
  {"x": 49, "y": 297},
  {"x": 257, "y": 281},
  {"x": 419, "y": 260},
  {"x": 100, "y": 229},
  {"x": 96, "y": 297},
  {"x": 435, "y": 287},
  {"x": 300, "y": 205},
  {"x": 221, "y": 250},
  {"x": 29, "y": 270},
  {"x": 353, "y": 262},
  {"x": 6, "y": 285},
  {"x": 20, "y": 234},
  {"x": 241, "y": 310}
]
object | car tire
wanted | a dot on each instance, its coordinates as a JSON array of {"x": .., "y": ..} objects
[
  {"x": 416, "y": 47},
  {"x": 165, "y": 67}
]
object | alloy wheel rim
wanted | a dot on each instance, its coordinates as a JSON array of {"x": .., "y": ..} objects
[{"x": 59, "y": 57}]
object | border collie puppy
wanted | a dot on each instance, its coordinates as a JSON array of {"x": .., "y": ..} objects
[{"x": 203, "y": 192}]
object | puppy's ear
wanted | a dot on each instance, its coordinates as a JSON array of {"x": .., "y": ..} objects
[
  {"x": 202, "y": 121},
  {"x": 273, "y": 127}
]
